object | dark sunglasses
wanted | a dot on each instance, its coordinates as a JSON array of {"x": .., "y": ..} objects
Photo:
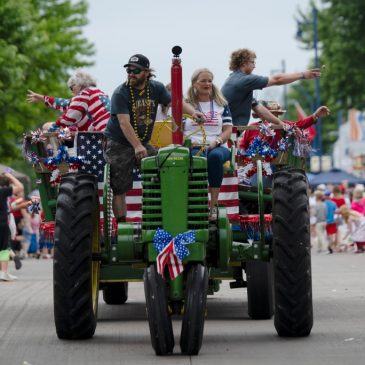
[
  {"x": 134, "y": 71},
  {"x": 71, "y": 87}
]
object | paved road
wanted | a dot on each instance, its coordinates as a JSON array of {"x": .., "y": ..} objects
[{"x": 27, "y": 332}]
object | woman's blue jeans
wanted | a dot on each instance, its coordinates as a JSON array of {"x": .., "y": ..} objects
[{"x": 216, "y": 158}]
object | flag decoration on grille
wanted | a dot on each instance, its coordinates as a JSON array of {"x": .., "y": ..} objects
[
  {"x": 89, "y": 148},
  {"x": 172, "y": 250}
]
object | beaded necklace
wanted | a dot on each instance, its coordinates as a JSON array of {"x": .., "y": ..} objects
[{"x": 135, "y": 114}]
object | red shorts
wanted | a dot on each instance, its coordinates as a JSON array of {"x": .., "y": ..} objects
[{"x": 331, "y": 228}]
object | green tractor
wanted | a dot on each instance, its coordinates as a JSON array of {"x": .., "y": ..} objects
[{"x": 176, "y": 251}]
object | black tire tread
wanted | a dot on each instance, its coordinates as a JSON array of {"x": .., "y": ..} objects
[
  {"x": 162, "y": 336},
  {"x": 192, "y": 329},
  {"x": 77, "y": 205},
  {"x": 292, "y": 256}
]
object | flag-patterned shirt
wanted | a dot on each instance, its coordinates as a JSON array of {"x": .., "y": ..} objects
[{"x": 87, "y": 111}]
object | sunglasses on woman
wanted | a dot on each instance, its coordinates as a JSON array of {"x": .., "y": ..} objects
[{"x": 134, "y": 71}]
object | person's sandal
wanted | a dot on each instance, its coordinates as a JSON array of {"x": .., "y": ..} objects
[{"x": 213, "y": 214}]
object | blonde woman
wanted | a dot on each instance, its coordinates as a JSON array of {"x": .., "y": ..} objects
[
  {"x": 206, "y": 98},
  {"x": 355, "y": 226}
]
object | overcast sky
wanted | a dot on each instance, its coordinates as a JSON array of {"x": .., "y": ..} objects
[{"x": 207, "y": 30}]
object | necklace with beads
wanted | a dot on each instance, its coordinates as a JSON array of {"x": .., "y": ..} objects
[{"x": 135, "y": 127}]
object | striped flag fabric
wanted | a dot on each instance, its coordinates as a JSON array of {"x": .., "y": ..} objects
[
  {"x": 134, "y": 199},
  {"x": 168, "y": 257}
]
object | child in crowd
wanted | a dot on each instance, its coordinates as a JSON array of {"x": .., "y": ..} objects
[{"x": 355, "y": 226}]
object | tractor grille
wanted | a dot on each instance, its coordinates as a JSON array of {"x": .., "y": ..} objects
[{"x": 197, "y": 200}]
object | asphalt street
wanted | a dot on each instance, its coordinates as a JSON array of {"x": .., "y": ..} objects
[{"x": 27, "y": 332}]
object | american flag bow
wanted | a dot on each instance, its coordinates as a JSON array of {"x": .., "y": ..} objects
[{"x": 172, "y": 250}]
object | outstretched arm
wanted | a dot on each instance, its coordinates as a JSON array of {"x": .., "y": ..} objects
[
  {"x": 283, "y": 79},
  {"x": 266, "y": 115},
  {"x": 55, "y": 103}
]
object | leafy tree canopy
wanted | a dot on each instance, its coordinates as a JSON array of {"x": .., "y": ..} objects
[
  {"x": 341, "y": 39},
  {"x": 41, "y": 41}
]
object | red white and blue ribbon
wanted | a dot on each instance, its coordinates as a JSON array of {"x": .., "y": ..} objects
[{"x": 172, "y": 250}]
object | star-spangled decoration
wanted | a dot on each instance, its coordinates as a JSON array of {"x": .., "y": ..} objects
[
  {"x": 64, "y": 134},
  {"x": 266, "y": 129},
  {"x": 89, "y": 148},
  {"x": 106, "y": 102},
  {"x": 162, "y": 238},
  {"x": 34, "y": 208},
  {"x": 171, "y": 250},
  {"x": 37, "y": 136},
  {"x": 63, "y": 102},
  {"x": 52, "y": 163}
]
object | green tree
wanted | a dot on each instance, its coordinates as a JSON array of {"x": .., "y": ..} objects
[
  {"x": 341, "y": 36},
  {"x": 41, "y": 41}
]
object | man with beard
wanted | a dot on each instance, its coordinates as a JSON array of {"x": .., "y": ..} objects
[{"x": 133, "y": 113}]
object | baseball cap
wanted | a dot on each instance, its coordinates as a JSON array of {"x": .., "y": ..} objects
[{"x": 138, "y": 60}]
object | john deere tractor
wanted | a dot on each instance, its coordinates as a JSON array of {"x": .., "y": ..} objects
[{"x": 179, "y": 254}]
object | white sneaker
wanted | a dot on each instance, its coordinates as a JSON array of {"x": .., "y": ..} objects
[
  {"x": 4, "y": 276},
  {"x": 11, "y": 277}
]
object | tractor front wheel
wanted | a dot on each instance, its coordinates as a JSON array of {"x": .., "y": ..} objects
[
  {"x": 162, "y": 336},
  {"x": 195, "y": 304}
]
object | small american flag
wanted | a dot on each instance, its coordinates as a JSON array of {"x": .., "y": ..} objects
[
  {"x": 168, "y": 256},
  {"x": 172, "y": 250},
  {"x": 89, "y": 146}
]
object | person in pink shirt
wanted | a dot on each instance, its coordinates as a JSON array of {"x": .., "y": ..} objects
[{"x": 358, "y": 201}]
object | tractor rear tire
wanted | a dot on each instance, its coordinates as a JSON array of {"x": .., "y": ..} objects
[
  {"x": 162, "y": 336},
  {"x": 259, "y": 290},
  {"x": 115, "y": 293},
  {"x": 75, "y": 273},
  {"x": 292, "y": 254},
  {"x": 195, "y": 305}
]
